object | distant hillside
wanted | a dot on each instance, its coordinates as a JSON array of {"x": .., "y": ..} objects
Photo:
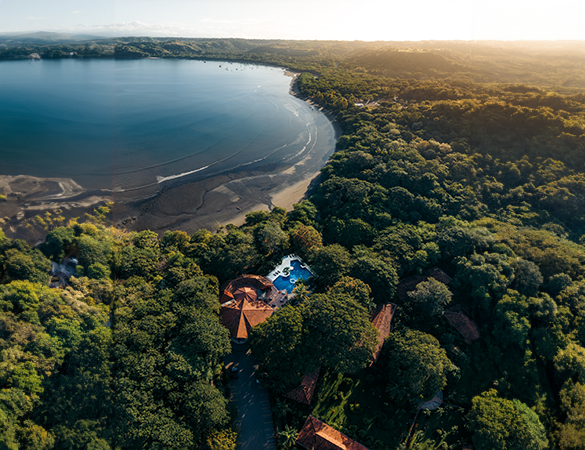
[
  {"x": 43, "y": 38},
  {"x": 558, "y": 65}
]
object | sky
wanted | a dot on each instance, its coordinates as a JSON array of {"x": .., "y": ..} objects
[{"x": 368, "y": 20}]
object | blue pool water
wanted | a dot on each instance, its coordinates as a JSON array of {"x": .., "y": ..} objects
[{"x": 288, "y": 283}]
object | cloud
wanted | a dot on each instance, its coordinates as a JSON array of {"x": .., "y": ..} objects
[
  {"x": 135, "y": 28},
  {"x": 72, "y": 12}
]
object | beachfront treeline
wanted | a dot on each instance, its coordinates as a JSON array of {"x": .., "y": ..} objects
[{"x": 438, "y": 165}]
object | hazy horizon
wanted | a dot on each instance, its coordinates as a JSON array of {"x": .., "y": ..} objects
[{"x": 367, "y": 20}]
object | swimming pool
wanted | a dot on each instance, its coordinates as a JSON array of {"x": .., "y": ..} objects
[{"x": 288, "y": 282}]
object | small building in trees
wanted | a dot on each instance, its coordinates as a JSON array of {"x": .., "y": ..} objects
[
  {"x": 409, "y": 284},
  {"x": 303, "y": 393},
  {"x": 382, "y": 320},
  {"x": 245, "y": 302},
  {"x": 317, "y": 435},
  {"x": 243, "y": 313},
  {"x": 458, "y": 317}
]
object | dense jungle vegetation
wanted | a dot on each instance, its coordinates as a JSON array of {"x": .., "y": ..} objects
[{"x": 470, "y": 161}]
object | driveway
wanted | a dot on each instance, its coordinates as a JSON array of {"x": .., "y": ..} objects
[{"x": 251, "y": 400}]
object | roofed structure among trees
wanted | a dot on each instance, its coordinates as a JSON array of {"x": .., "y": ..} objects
[
  {"x": 239, "y": 316},
  {"x": 265, "y": 288},
  {"x": 382, "y": 320},
  {"x": 458, "y": 317},
  {"x": 245, "y": 302},
  {"x": 409, "y": 284},
  {"x": 303, "y": 393},
  {"x": 317, "y": 435}
]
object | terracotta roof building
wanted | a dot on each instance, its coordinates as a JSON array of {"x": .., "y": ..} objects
[
  {"x": 316, "y": 435},
  {"x": 382, "y": 320},
  {"x": 303, "y": 393},
  {"x": 240, "y": 315},
  {"x": 458, "y": 317},
  {"x": 264, "y": 288}
]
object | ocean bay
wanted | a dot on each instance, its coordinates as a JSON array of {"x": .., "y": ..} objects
[{"x": 132, "y": 125}]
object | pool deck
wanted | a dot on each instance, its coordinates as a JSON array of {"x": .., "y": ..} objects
[{"x": 287, "y": 262}]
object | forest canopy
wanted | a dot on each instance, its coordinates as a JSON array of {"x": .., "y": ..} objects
[{"x": 464, "y": 164}]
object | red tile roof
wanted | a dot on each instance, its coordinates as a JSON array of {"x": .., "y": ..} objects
[
  {"x": 316, "y": 435},
  {"x": 240, "y": 316},
  {"x": 245, "y": 293},
  {"x": 257, "y": 281},
  {"x": 382, "y": 320},
  {"x": 303, "y": 393},
  {"x": 263, "y": 287},
  {"x": 458, "y": 317}
]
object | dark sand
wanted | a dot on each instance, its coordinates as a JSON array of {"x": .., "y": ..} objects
[{"x": 189, "y": 206}]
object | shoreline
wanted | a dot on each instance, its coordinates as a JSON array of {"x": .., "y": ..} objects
[{"x": 209, "y": 203}]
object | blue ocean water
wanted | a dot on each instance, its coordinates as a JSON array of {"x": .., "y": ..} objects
[{"x": 126, "y": 124}]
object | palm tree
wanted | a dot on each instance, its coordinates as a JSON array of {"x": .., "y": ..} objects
[
  {"x": 301, "y": 292},
  {"x": 288, "y": 437}
]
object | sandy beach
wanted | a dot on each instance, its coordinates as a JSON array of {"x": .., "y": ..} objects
[{"x": 190, "y": 206}]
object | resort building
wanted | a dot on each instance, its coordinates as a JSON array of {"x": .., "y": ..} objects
[
  {"x": 317, "y": 435},
  {"x": 240, "y": 315},
  {"x": 246, "y": 302}
]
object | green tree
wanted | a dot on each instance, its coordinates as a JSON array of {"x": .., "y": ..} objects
[
  {"x": 356, "y": 289},
  {"x": 570, "y": 362},
  {"x": 338, "y": 331},
  {"x": 93, "y": 248},
  {"x": 500, "y": 424},
  {"x": 57, "y": 242},
  {"x": 20, "y": 296},
  {"x": 512, "y": 320},
  {"x": 457, "y": 241},
  {"x": 304, "y": 239},
  {"x": 430, "y": 297},
  {"x": 282, "y": 364},
  {"x": 199, "y": 293},
  {"x": 485, "y": 277},
  {"x": 330, "y": 263},
  {"x": 272, "y": 238},
  {"x": 379, "y": 275},
  {"x": 527, "y": 277},
  {"x": 222, "y": 440},
  {"x": 304, "y": 212},
  {"x": 288, "y": 437},
  {"x": 205, "y": 408},
  {"x": 98, "y": 271},
  {"x": 30, "y": 266},
  {"x": 572, "y": 432},
  {"x": 416, "y": 364}
]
